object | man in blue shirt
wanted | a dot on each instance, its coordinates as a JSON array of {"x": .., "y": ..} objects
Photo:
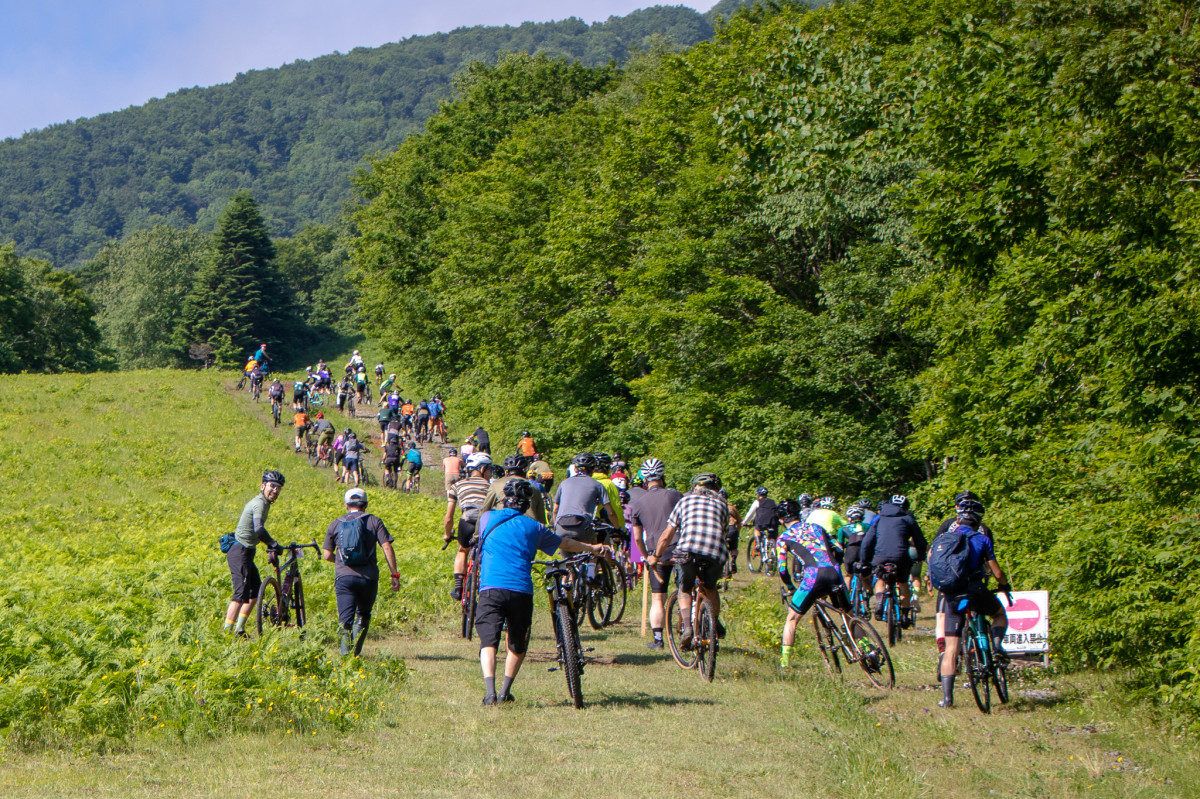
[
  {"x": 509, "y": 542},
  {"x": 981, "y": 560},
  {"x": 413, "y": 464}
]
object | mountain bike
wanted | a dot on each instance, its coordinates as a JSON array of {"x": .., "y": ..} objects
[
  {"x": 256, "y": 389},
  {"x": 860, "y": 591},
  {"x": 241, "y": 384},
  {"x": 470, "y": 589},
  {"x": 281, "y": 598},
  {"x": 984, "y": 668},
  {"x": 314, "y": 399},
  {"x": 853, "y": 639},
  {"x": 761, "y": 555},
  {"x": 893, "y": 614},
  {"x": 562, "y": 616},
  {"x": 609, "y": 590},
  {"x": 311, "y": 439},
  {"x": 702, "y": 651},
  {"x": 389, "y": 474},
  {"x": 412, "y": 483},
  {"x": 275, "y": 408}
]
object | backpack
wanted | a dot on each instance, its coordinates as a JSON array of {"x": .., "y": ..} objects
[
  {"x": 948, "y": 560},
  {"x": 354, "y": 542}
]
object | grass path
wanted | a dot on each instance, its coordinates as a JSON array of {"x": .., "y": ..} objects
[{"x": 651, "y": 728}]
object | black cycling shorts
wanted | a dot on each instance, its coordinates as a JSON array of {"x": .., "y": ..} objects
[
  {"x": 409, "y": 466},
  {"x": 732, "y": 536},
  {"x": 850, "y": 557},
  {"x": 903, "y": 569},
  {"x": 660, "y": 576},
  {"x": 466, "y": 532},
  {"x": 246, "y": 580},
  {"x": 708, "y": 570},
  {"x": 498, "y": 606},
  {"x": 977, "y": 598}
]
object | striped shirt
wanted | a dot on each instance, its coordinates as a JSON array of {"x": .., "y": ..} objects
[
  {"x": 701, "y": 518},
  {"x": 469, "y": 493}
]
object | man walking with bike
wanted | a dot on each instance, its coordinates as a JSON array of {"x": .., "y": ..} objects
[
  {"x": 251, "y": 529},
  {"x": 649, "y": 513},
  {"x": 697, "y": 527},
  {"x": 509, "y": 541},
  {"x": 350, "y": 544}
]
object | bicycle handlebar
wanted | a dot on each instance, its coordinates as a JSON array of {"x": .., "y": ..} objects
[{"x": 579, "y": 558}]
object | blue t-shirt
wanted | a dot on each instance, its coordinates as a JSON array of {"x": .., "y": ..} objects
[
  {"x": 414, "y": 456},
  {"x": 979, "y": 552},
  {"x": 511, "y": 541}
]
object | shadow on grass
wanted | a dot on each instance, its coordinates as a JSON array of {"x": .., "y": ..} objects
[
  {"x": 645, "y": 700},
  {"x": 438, "y": 657},
  {"x": 639, "y": 658}
]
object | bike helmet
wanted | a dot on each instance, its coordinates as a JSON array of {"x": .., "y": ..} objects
[
  {"x": 524, "y": 434},
  {"x": 965, "y": 495},
  {"x": 854, "y": 514},
  {"x": 805, "y": 500},
  {"x": 900, "y": 501},
  {"x": 707, "y": 480},
  {"x": 618, "y": 464},
  {"x": 391, "y": 377},
  {"x": 584, "y": 462},
  {"x": 514, "y": 463},
  {"x": 603, "y": 461},
  {"x": 862, "y": 502},
  {"x": 478, "y": 460},
  {"x": 352, "y": 434},
  {"x": 653, "y": 469},
  {"x": 356, "y": 352},
  {"x": 788, "y": 510},
  {"x": 762, "y": 491},
  {"x": 970, "y": 511},
  {"x": 308, "y": 368},
  {"x": 638, "y": 482},
  {"x": 272, "y": 476},
  {"x": 623, "y": 495},
  {"x": 356, "y": 497},
  {"x": 621, "y": 483},
  {"x": 724, "y": 494},
  {"x": 518, "y": 494},
  {"x": 827, "y": 503},
  {"x": 453, "y": 451}
]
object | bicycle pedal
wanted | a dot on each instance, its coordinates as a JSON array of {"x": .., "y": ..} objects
[
  {"x": 590, "y": 649},
  {"x": 552, "y": 668}
]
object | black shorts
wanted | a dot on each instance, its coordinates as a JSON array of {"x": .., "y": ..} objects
[
  {"x": 352, "y": 464},
  {"x": 660, "y": 575},
  {"x": 709, "y": 570},
  {"x": 903, "y": 569},
  {"x": 466, "y": 532},
  {"x": 732, "y": 536},
  {"x": 409, "y": 466},
  {"x": 246, "y": 580},
  {"x": 977, "y": 598},
  {"x": 850, "y": 557},
  {"x": 498, "y": 606},
  {"x": 355, "y": 598},
  {"x": 391, "y": 464}
]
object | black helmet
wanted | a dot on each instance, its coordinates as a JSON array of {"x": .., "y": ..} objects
[
  {"x": 514, "y": 463},
  {"x": 517, "y": 495},
  {"x": 863, "y": 502},
  {"x": 900, "y": 501},
  {"x": 272, "y": 476},
  {"x": 854, "y": 513},
  {"x": 788, "y": 509},
  {"x": 805, "y": 500},
  {"x": 707, "y": 480},
  {"x": 603, "y": 461},
  {"x": 623, "y": 495},
  {"x": 970, "y": 511},
  {"x": 965, "y": 495},
  {"x": 584, "y": 462},
  {"x": 762, "y": 491}
]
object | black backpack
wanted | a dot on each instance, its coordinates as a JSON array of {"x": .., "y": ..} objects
[
  {"x": 354, "y": 542},
  {"x": 767, "y": 515},
  {"x": 948, "y": 560}
]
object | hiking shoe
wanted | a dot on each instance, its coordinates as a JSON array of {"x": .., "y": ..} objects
[
  {"x": 685, "y": 638},
  {"x": 456, "y": 594},
  {"x": 506, "y": 698},
  {"x": 653, "y": 644},
  {"x": 489, "y": 699},
  {"x": 720, "y": 629}
]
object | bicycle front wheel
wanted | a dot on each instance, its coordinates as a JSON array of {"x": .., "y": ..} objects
[
  {"x": 825, "y": 642},
  {"x": 600, "y": 595},
  {"x": 620, "y": 589},
  {"x": 686, "y": 658},
  {"x": 873, "y": 656},
  {"x": 474, "y": 600},
  {"x": 754, "y": 561},
  {"x": 298, "y": 604},
  {"x": 706, "y": 641},
  {"x": 271, "y": 611},
  {"x": 891, "y": 612},
  {"x": 1000, "y": 680},
  {"x": 977, "y": 674},
  {"x": 572, "y": 653}
]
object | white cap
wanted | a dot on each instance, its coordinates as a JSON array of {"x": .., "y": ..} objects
[{"x": 356, "y": 496}]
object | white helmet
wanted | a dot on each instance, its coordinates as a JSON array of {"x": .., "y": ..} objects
[{"x": 477, "y": 460}]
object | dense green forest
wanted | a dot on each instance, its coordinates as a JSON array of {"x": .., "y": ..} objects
[
  {"x": 879, "y": 246},
  {"x": 293, "y": 136}
]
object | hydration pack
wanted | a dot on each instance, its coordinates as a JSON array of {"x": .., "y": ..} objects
[
  {"x": 948, "y": 571},
  {"x": 353, "y": 541},
  {"x": 767, "y": 515}
]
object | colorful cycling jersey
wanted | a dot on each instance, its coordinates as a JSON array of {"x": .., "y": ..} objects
[
  {"x": 809, "y": 543},
  {"x": 386, "y": 385},
  {"x": 435, "y": 409},
  {"x": 852, "y": 534},
  {"x": 361, "y": 377}
]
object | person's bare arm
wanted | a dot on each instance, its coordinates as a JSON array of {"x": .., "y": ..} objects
[
  {"x": 327, "y": 554},
  {"x": 389, "y": 555},
  {"x": 639, "y": 535},
  {"x": 448, "y": 522},
  {"x": 572, "y": 545}
]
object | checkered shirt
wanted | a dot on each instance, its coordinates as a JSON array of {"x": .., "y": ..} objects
[{"x": 702, "y": 519}]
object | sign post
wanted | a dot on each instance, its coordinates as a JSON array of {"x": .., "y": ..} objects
[{"x": 1028, "y": 623}]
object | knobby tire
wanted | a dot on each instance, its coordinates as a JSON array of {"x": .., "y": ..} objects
[
  {"x": 753, "y": 556},
  {"x": 706, "y": 640},
  {"x": 600, "y": 595},
  {"x": 572, "y": 653},
  {"x": 875, "y": 659},
  {"x": 271, "y": 609},
  {"x": 825, "y": 641},
  {"x": 977, "y": 674},
  {"x": 686, "y": 658}
]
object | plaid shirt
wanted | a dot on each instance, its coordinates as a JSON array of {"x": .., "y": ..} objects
[{"x": 701, "y": 518}]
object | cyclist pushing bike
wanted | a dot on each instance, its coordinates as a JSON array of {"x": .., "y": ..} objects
[
  {"x": 819, "y": 575},
  {"x": 251, "y": 529}
]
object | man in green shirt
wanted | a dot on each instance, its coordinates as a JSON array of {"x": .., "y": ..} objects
[
  {"x": 385, "y": 417},
  {"x": 250, "y": 531},
  {"x": 385, "y": 387}
]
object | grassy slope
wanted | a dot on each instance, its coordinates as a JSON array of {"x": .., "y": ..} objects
[{"x": 649, "y": 726}]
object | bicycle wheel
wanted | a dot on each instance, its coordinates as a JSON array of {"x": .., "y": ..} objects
[
  {"x": 298, "y": 604},
  {"x": 686, "y": 658},
  {"x": 977, "y": 674},
  {"x": 753, "y": 556},
  {"x": 474, "y": 600},
  {"x": 600, "y": 595},
  {"x": 770, "y": 561},
  {"x": 271, "y": 611},
  {"x": 822, "y": 626},
  {"x": 892, "y": 614},
  {"x": 620, "y": 589},
  {"x": 572, "y": 653},
  {"x": 241, "y": 383},
  {"x": 706, "y": 639},
  {"x": 874, "y": 657}
]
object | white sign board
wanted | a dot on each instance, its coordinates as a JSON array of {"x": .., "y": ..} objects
[{"x": 1028, "y": 621}]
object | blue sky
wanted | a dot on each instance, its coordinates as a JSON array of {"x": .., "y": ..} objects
[{"x": 65, "y": 59}]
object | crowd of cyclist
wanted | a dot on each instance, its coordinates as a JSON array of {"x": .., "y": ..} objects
[{"x": 818, "y": 550}]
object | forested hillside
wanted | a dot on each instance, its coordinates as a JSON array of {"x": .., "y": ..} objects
[
  {"x": 883, "y": 245},
  {"x": 293, "y": 136}
]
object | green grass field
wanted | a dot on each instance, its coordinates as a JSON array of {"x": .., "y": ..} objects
[{"x": 116, "y": 680}]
